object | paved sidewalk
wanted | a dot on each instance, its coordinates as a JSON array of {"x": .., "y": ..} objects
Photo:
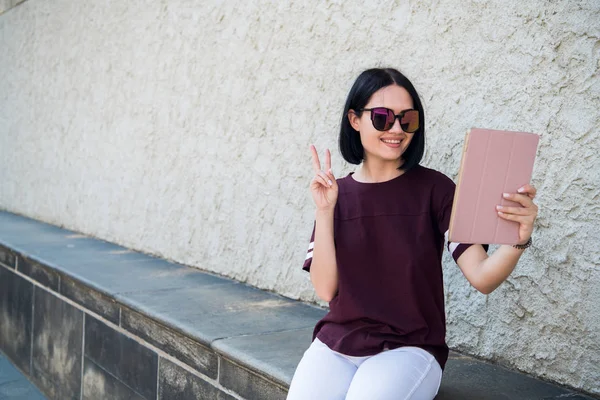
[{"x": 14, "y": 385}]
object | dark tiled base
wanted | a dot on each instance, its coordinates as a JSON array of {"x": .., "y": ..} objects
[
  {"x": 57, "y": 346},
  {"x": 8, "y": 257},
  {"x": 90, "y": 299},
  {"x": 199, "y": 357},
  {"x": 178, "y": 384},
  {"x": 248, "y": 384},
  {"x": 100, "y": 385},
  {"x": 130, "y": 362},
  {"x": 37, "y": 272},
  {"x": 16, "y": 298},
  {"x": 114, "y": 364}
]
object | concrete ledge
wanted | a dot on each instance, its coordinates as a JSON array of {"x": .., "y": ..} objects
[{"x": 86, "y": 319}]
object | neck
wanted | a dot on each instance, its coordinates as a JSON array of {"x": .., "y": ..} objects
[{"x": 374, "y": 172}]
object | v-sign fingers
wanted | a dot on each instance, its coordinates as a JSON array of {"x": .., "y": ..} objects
[
  {"x": 315, "y": 159},
  {"x": 327, "y": 160}
]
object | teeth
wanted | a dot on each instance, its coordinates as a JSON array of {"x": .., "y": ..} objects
[{"x": 390, "y": 141}]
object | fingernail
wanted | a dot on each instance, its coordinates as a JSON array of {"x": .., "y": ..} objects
[
  {"x": 506, "y": 195},
  {"x": 500, "y": 213},
  {"x": 330, "y": 183},
  {"x": 521, "y": 190},
  {"x": 498, "y": 207}
]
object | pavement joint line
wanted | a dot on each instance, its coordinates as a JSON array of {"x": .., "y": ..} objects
[
  {"x": 82, "y": 357},
  {"x": 32, "y": 329},
  {"x": 157, "y": 375},
  {"x": 218, "y": 378}
]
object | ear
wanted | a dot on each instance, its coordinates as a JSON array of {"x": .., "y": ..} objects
[{"x": 354, "y": 120}]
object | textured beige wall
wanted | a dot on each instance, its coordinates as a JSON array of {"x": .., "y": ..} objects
[
  {"x": 6, "y": 5},
  {"x": 154, "y": 125}
]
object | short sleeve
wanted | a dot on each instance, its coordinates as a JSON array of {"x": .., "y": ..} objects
[
  {"x": 309, "y": 253},
  {"x": 442, "y": 201}
]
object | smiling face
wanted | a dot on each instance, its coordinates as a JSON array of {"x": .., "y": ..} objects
[{"x": 386, "y": 146}]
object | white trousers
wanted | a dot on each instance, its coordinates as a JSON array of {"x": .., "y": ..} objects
[{"x": 399, "y": 374}]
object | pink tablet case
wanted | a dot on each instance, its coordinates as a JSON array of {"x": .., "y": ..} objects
[{"x": 493, "y": 162}]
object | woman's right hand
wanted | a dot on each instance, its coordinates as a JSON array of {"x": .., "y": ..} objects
[{"x": 323, "y": 187}]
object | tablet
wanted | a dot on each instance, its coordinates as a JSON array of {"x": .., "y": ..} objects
[{"x": 493, "y": 162}]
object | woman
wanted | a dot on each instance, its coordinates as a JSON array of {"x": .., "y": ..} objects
[{"x": 376, "y": 250}]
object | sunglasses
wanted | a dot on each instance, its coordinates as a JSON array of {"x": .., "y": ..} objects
[{"x": 383, "y": 119}]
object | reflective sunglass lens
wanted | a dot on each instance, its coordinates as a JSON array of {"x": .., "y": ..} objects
[
  {"x": 410, "y": 121},
  {"x": 381, "y": 118}
]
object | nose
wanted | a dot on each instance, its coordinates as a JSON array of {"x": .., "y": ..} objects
[{"x": 396, "y": 128}]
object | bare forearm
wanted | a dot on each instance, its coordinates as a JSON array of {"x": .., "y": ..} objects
[
  {"x": 323, "y": 270},
  {"x": 496, "y": 268}
]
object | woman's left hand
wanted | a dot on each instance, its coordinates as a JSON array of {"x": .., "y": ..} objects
[{"x": 524, "y": 215}]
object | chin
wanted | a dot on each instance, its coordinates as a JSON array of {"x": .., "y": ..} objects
[
  {"x": 397, "y": 155},
  {"x": 391, "y": 159}
]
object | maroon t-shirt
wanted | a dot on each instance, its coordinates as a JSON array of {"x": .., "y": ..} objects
[{"x": 389, "y": 240}]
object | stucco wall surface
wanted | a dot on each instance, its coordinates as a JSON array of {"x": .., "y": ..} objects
[
  {"x": 6, "y": 5},
  {"x": 181, "y": 129}
]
